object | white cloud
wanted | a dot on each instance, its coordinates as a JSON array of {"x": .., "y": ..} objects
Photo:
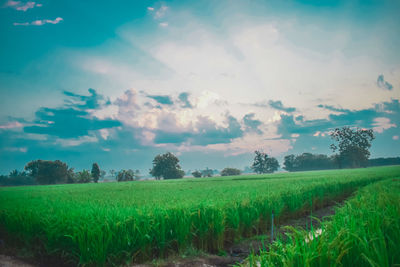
[
  {"x": 228, "y": 69},
  {"x": 17, "y": 149},
  {"x": 11, "y": 125},
  {"x": 20, "y": 6},
  {"x": 76, "y": 141},
  {"x": 395, "y": 137},
  {"x": 381, "y": 124},
  {"x": 160, "y": 13},
  {"x": 39, "y": 22},
  {"x": 150, "y": 8},
  {"x": 163, "y": 24}
]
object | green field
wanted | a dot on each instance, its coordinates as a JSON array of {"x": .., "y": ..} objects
[
  {"x": 364, "y": 232},
  {"x": 114, "y": 223}
]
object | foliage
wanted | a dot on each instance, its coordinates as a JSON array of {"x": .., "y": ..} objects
[
  {"x": 353, "y": 146},
  {"x": 230, "y": 172},
  {"x": 196, "y": 174},
  {"x": 102, "y": 174},
  {"x": 384, "y": 161},
  {"x": 49, "y": 172},
  {"x": 83, "y": 176},
  {"x": 264, "y": 164},
  {"x": 110, "y": 224},
  {"x": 364, "y": 232},
  {"x": 166, "y": 166},
  {"x": 16, "y": 178},
  {"x": 127, "y": 175},
  {"x": 207, "y": 172},
  {"x": 95, "y": 172},
  {"x": 308, "y": 162}
]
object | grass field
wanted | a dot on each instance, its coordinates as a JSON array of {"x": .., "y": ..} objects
[
  {"x": 364, "y": 232},
  {"x": 114, "y": 223}
]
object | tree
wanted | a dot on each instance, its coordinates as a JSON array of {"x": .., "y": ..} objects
[
  {"x": 16, "y": 178},
  {"x": 207, "y": 172},
  {"x": 196, "y": 174},
  {"x": 95, "y": 172},
  {"x": 353, "y": 146},
  {"x": 308, "y": 161},
  {"x": 112, "y": 173},
  {"x": 48, "y": 172},
  {"x": 83, "y": 177},
  {"x": 166, "y": 166},
  {"x": 230, "y": 172},
  {"x": 289, "y": 162},
  {"x": 264, "y": 164},
  {"x": 127, "y": 175},
  {"x": 102, "y": 174}
]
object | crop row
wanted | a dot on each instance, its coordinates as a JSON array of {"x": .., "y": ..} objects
[
  {"x": 364, "y": 232},
  {"x": 113, "y": 223}
]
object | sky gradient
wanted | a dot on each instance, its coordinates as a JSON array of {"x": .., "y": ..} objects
[{"x": 211, "y": 81}]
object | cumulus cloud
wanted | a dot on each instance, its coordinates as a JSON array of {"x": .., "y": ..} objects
[
  {"x": 73, "y": 120},
  {"x": 380, "y": 117},
  {"x": 93, "y": 101},
  {"x": 383, "y": 84},
  {"x": 163, "y": 24},
  {"x": 252, "y": 124},
  {"x": 39, "y": 22}
]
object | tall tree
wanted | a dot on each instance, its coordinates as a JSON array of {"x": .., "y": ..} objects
[
  {"x": 166, "y": 166},
  {"x": 83, "y": 176},
  {"x": 48, "y": 172},
  {"x": 353, "y": 146},
  {"x": 127, "y": 175},
  {"x": 289, "y": 162},
  {"x": 95, "y": 172},
  {"x": 263, "y": 163}
]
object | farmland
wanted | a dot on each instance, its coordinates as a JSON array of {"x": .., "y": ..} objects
[
  {"x": 364, "y": 232},
  {"x": 115, "y": 223}
]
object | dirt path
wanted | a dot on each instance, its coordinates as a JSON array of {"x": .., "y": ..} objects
[{"x": 8, "y": 261}]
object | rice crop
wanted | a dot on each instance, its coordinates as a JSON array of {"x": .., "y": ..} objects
[
  {"x": 364, "y": 232},
  {"x": 114, "y": 223}
]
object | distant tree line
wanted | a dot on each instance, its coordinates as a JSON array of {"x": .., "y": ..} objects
[
  {"x": 309, "y": 162},
  {"x": 352, "y": 147},
  {"x": 46, "y": 172}
]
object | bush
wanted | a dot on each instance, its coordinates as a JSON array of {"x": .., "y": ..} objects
[
  {"x": 230, "y": 172},
  {"x": 196, "y": 174}
]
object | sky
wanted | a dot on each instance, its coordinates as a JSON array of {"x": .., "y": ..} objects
[{"x": 212, "y": 81}]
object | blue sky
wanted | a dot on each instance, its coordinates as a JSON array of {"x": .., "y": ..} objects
[{"x": 212, "y": 81}]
